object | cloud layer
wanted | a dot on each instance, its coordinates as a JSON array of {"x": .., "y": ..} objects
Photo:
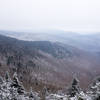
[{"x": 71, "y": 15}]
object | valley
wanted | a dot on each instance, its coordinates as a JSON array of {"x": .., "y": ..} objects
[{"x": 40, "y": 63}]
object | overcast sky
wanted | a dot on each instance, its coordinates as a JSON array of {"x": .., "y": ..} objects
[{"x": 70, "y": 15}]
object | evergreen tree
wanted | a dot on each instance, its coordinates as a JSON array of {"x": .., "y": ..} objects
[
  {"x": 44, "y": 93},
  {"x": 94, "y": 89},
  {"x": 1, "y": 80},
  {"x": 7, "y": 77},
  {"x": 74, "y": 89},
  {"x": 31, "y": 94},
  {"x": 16, "y": 84}
]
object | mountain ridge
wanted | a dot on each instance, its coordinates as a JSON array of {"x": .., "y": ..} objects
[
  {"x": 87, "y": 42},
  {"x": 47, "y": 62}
]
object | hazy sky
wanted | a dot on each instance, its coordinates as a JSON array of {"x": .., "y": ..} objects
[{"x": 70, "y": 15}]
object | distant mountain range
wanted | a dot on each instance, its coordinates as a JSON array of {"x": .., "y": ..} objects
[
  {"x": 50, "y": 63},
  {"x": 89, "y": 42}
]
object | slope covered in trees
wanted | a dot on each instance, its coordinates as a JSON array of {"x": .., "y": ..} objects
[
  {"x": 12, "y": 89},
  {"x": 46, "y": 63}
]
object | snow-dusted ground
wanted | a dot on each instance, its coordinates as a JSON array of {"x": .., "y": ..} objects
[{"x": 13, "y": 90}]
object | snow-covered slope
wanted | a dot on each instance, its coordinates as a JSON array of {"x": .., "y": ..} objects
[{"x": 12, "y": 89}]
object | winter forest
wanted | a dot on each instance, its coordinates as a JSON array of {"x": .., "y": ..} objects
[
  {"x": 12, "y": 89},
  {"x": 49, "y": 49}
]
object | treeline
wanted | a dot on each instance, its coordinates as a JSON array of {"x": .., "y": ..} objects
[{"x": 12, "y": 89}]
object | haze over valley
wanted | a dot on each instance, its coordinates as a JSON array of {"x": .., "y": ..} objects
[
  {"x": 87, "y": 41},
  {"x": 49, "y": 49},
  {"x": 50, "y": 58}
]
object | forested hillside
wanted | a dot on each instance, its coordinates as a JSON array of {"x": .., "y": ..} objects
[
  {"x": 12, "y": 89},
  {"x": 44, "y": 63}
]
